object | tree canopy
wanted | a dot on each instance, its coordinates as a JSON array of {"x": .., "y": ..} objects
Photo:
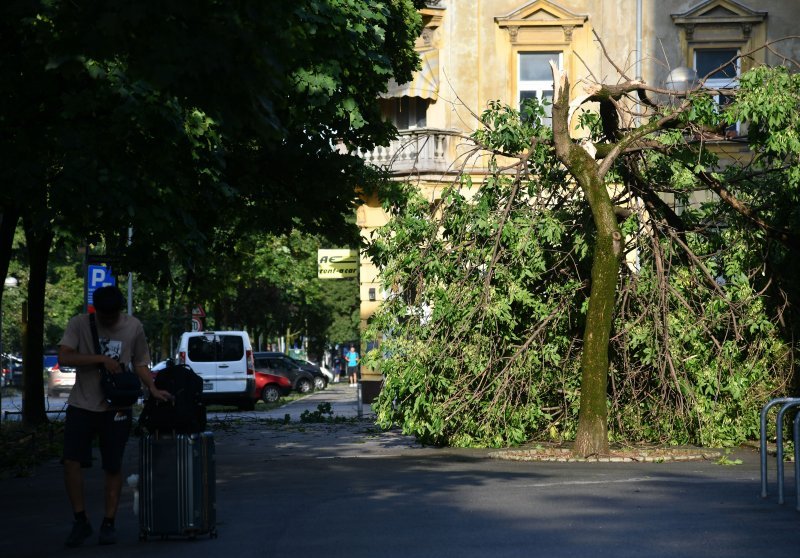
[{"x": 187, "y": 122}]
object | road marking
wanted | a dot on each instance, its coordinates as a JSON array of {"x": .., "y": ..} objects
[
  {"x": 575, "y": 483},
  {"x": 683, "y": 480}
]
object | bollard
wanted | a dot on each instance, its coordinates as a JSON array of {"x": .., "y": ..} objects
[
  {"x": 763, "y": 441},
  {"x": 795, "y": 402}
]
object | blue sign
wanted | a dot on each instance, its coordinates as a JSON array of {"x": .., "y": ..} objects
[{"x": 98, "y": 276}]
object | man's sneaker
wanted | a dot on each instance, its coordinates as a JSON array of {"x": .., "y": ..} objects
[
  {"x": 81, "y": 530},
  {"x": 108, "y": 535}
]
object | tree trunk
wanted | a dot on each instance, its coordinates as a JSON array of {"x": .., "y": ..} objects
[
  {"x": 8, "y": 224},
  {"x": 39, "y": 242},
  {"x": 592, "y": 434}
]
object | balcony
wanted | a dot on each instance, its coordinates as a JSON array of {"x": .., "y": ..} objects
[{"x": 423, "y": 151}]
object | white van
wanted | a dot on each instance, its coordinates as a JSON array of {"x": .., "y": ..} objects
[{"x": 224, "y": 359}]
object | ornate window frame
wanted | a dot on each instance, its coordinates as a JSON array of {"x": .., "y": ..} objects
[
  {"x": 722, "y": 24},
  {"x": 539, "y": 26}
]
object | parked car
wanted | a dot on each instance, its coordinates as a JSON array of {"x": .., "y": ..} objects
[
  {"x": 328, "y": 373},
  {"x": 224, "y": 359},
  {"x": 60, "y": 380},
  {"x": 270, "y": 387},
  {"x": 321, "y": 379},
  {"x": 159, "y": 366},
  {"x": 279, "y": 364},
  {"x": 15, "y": 374},
  {"x": 11, "y": 374},
  {"x": 319, "y": 372}
]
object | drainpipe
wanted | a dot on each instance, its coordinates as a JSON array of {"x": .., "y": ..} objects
[{"x": 639, "y": 39}]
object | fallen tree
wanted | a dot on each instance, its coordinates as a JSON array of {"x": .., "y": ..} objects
[{"x": 565, "y": 287}]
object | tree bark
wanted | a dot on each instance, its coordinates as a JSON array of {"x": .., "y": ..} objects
[
  {"x": 8, "y": 224},
  {"x": 592, "y": 434},
  {"x": 39, "y": 241}
]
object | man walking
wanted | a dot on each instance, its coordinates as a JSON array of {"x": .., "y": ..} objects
[
  {"x": 89, "y": 416},
  {"x": 352, "y": 365}
]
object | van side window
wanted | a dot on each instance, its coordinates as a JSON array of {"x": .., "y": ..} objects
[
  {"x": 202, "y": 349},
  {"x": 231, "y": 347}
]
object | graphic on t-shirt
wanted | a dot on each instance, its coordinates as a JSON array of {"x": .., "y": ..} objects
[{"x": 111, "y": 348}]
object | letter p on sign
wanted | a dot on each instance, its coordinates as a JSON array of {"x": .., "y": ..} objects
[{"x": 97, "y": 276}]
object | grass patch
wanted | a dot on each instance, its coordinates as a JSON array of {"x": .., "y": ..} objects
[{"x": 23, "y": 448}]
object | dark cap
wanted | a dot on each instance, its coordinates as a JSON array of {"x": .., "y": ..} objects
[{"x": 108, "y": 299}]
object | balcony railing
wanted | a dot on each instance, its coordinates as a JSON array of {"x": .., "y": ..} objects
[{"x": 422, "y": 151}]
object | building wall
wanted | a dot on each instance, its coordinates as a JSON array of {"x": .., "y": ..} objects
[{"x": 476, "y": 61}]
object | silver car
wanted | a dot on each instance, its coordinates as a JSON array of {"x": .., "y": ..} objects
[{"x": 60, "y": 379}]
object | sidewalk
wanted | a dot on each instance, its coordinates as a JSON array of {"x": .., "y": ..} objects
[
  {"x": 349, "y": 490},
  {"x": 343, "y": 398}
]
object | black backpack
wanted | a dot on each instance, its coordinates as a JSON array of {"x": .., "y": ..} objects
[{"x": 185, "y": 413}]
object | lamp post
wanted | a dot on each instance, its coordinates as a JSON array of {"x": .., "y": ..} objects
[
  {"x": 9, "y": 283},
  {"x": 681, "y": 80}
]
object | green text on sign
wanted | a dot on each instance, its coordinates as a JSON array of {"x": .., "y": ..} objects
[{"x": 337, "y": 263}]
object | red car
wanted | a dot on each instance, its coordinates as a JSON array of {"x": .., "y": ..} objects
[{"x": 270, "y": 387}]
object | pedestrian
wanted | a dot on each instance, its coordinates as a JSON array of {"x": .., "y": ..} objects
[
  {"x": 338, "y": 368},
  {"x": 352, "y": 365},
  {"x": 89, "y": 416}
]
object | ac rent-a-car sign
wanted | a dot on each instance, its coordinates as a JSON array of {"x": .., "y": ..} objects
[{"x": 337, "y": 263}]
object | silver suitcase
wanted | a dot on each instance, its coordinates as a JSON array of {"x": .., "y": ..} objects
[{"x": 177, "y": 495}]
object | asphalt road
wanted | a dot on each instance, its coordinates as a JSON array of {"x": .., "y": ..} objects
[{"x": 348, "y": 490}]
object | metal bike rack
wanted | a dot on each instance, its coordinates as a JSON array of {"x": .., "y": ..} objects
[
  {"x": 786, "y": 403},
  {"x": 797, "y": 460}
]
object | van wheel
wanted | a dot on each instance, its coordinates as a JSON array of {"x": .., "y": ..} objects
[
  {"x": 319, "y": 383},
  {"x": 270, "y": 394},
  {"x": 305, "y": 386}
]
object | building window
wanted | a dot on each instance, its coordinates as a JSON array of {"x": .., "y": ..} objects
[
  {"x": 535, "y": 78},
  {"x": 721, "y": 68},
  {"x": 406, "y": 113},
  {"x": 721, "y": 65}
]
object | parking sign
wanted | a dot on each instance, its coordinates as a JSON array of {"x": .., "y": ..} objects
[{"x": 97, "y": 276}]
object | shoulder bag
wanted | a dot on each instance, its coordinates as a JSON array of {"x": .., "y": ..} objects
[{"x": 122, "y": 389}]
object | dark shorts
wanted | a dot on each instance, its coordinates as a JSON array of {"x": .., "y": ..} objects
[
  {"x": 111, "y": 428},
  {"x": 352, "y": 370}
]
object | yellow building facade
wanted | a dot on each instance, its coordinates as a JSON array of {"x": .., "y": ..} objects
[{"x": 477, "y": 51}]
